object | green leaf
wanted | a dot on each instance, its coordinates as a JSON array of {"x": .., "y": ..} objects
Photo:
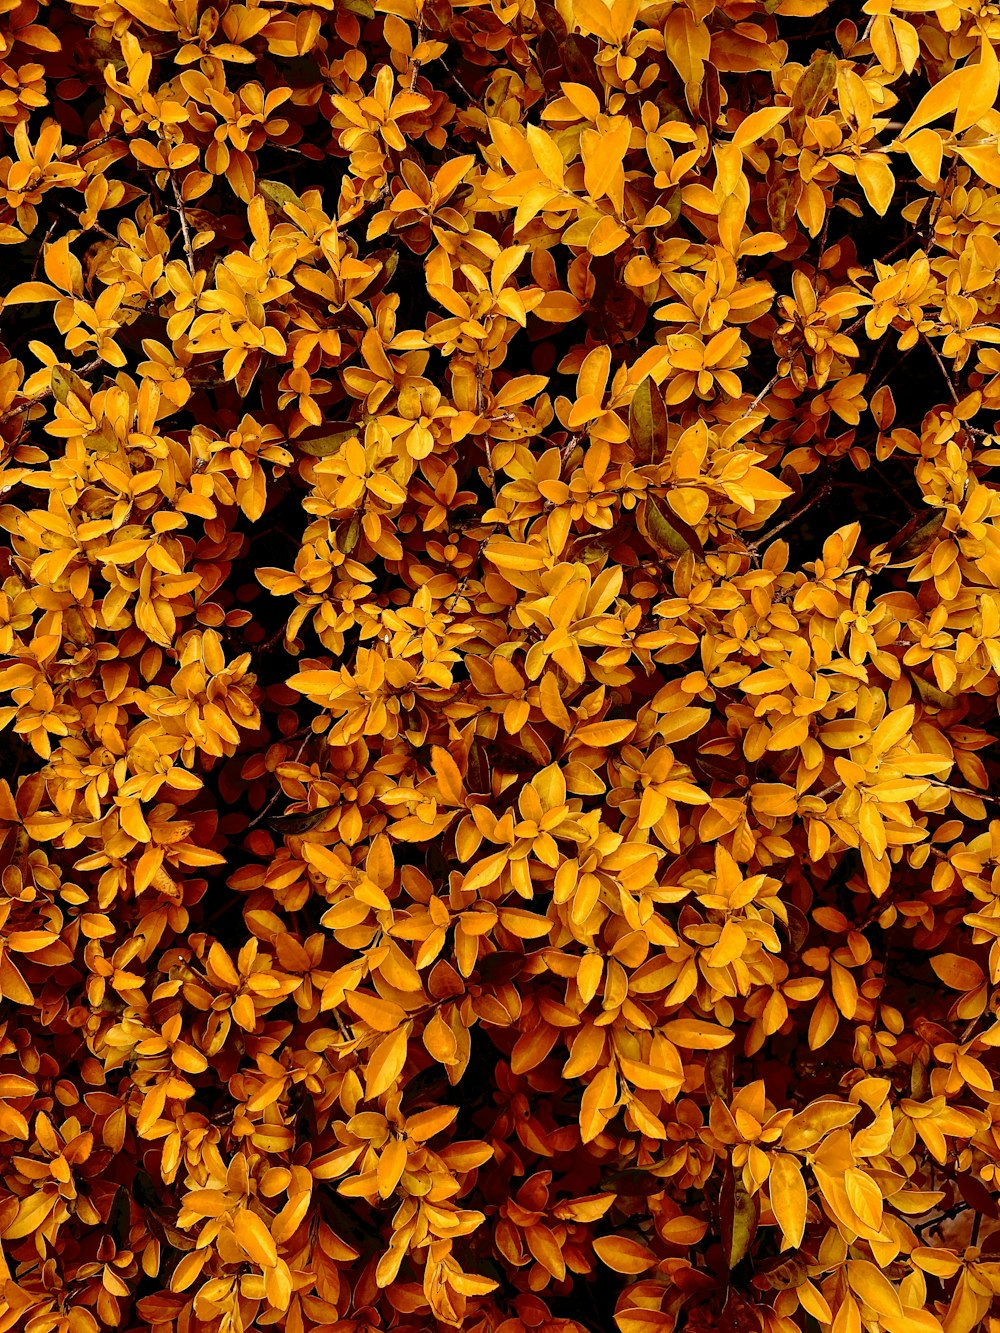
[
  {"x": 103, "y": 441},
  {"x": 275, "y": 192},
  {"x": 739, "y": 1213},
  {"x": 719, "y": 1074},
  {"x": 912, "y": 541},
  {"x": 389, "y": 259},
  {"x": 780, "y": 1274},
  {"x": 64, "y": 382},
  {"x": 930, "y": 694},
  {"x": 596, "y": 544},
  {"x": 792, "y": 478},
  {"x": 579, "y": 60},
  {"x": 647, "y": 423},
  {"x": 349, "y": 534},
  {"x": 478, "y": 776},
  {"x": 672, "y": 204},
  {"x": 302, "y": 822},
  {"x": 919, "y": 1084},
  {"x": 359, "y": 7},
  {"x": 782, "y": 200},
  {"x": 812, "y": 91},
  {"x": 798, "y": 928},
  {"x": 120, "y": 1217},
  {"x": 669, "y": 534},
  {"x": 327, "y": 443},
  {"x": 634, "y": 1183}
]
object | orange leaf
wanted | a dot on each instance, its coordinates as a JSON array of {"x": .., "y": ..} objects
[{"x": 623, "y": 1254}]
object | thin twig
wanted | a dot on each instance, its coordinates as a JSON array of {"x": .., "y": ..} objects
[
  {"x": 41, "y": 250},
  {"x": 944, "y": 369},
  {"x": 188, "y": 248},
  {"x": 26, "y": 406},
  {"x": 269, "y": 644},
  {"x": 823, "y": 491},
  {"x": 763, "y": 394},
  {"x": 935, "y": 212},
  {"x": 453, "y": 600},
  {"x": 826, "y": 228},
  {"x": 94, "y": 226},
  {"x": 973, "y": 430},
  {"x": 88, "y": 147},
  {"x": 945, "y": 1215},
  {"x": 966, "y": 791},
  {"x": 415, "y": 68},
  {"x": 279, "y": 793}
]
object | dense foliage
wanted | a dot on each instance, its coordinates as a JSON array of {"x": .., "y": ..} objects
[{"x": 500, "y": 605}]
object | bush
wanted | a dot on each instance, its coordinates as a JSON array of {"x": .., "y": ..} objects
[{"x": 501, "y": 631}]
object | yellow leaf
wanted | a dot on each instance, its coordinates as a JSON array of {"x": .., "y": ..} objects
[
  {"x": 513, "y": 555},
  {"x": 877, "y": 181},
  {"x": 941, "y": 99},
  {"x": 697, "y": 1035},
  {"x": 874, "y": 1288},
  {"x": 789, "y": 1199},
  {"x": 604, "y": 734},
  {"x": 26, "y": 292},
  {"x": 603, "y": 155},
  {"x": 152, "y": 14},
  {"x": 382, "y": 1015},
  {"x": 31, "y": 1213},
  {"x": 547, "y": 154},
  {"x": 810, "y": 1125},
  {"x": 598, "y": 1103},
  {"x": 386, "y": 1062},
  {"x": 979, "y": 88},
  {"x": 984, "y": 159},
  {"x": 254, "y": 1238},
  {"x": 864, "y": 1196},
  {"x": 311, "y": 683},
  {"x": 759, "y": 123}
]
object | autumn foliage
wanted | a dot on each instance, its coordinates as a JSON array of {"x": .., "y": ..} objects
[{"x": 500, "y": 630}]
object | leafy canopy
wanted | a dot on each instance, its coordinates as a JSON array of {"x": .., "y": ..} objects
[{"x": 500, "y": 615}]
